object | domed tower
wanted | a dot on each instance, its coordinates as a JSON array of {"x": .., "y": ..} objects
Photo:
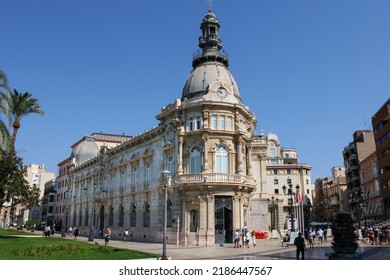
[
  {"x": 209, "y": 133},
  {"x": 210, "y": 78}
]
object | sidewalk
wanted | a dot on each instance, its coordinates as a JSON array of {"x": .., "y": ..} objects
[{"x": 265, "y": 249}]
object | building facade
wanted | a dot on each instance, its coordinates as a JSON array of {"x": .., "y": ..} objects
[
  {"x": 19, "y": 214},
  {"x": 371, "y": 205},
  {"x": 83, "y": 150},
  {"x": 222, "y": 175},
  {"x": 331, "y": 197},
  {"x": 381, "y": 125},
  {"x": 362, "y": 146}
]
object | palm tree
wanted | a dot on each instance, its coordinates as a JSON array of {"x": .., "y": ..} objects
[
  {"x": 4, "y": 109},
  {"x": 22, "y": 105}
]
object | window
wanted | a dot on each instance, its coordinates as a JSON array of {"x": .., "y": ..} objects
[
  {"x": 134, "y": 176},
  {"x": 276, "y": 191},
  {"x": 276, "y": 181},
  {"x": 288, "y": 171},
  {"x": 86, "y": 218},
  {"x": 111, "y": 217},
  {"x": 191, "y": 124},
  {"x": 123, "y": 179},
  {"x": 170, "y": 164},
  {"x": 148, "y": 172},
  {"x": 133, "y": 215},
  {"x": 194, "y": 123},
  {"x": 113, "y": 180},
  {"x": 221, "y": 160},
  {"x": 146, "y": 214},
  {"x": 80, "y": 218},
  {"x": 214, "y": 122},
  {"x": 195, "y": 165},
  {"x": 229, "y": 123},
  {"x": 275, "y": 171},
  {"x": 287, "y": 155},
  {"x": 221, "y": 122},
  {"x": 288, "y": 181},
  {"x": 272, "y": 152},
  {"x": 197, "y": 122},
  {"x": 121, "y": 216}
]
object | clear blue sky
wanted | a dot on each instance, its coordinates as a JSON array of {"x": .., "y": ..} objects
[{"x": 312, "y": 71}]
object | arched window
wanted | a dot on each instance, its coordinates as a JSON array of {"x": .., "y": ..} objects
[
  {"x": 221, "y": 160},
  {"x": 86, "y": 218},
  {"x": 147, "y": 215},
  {"x": 133, "y": 215},
  {"x": 80, "y": 218},
  {"x": 121, "y": 215},
  {"x": 272, "y": 150},
  {"x": 111, "y": 217},
  {"x": 195, "y": 165}
]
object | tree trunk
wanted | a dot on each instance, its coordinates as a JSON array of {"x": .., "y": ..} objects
[{"x": 16, "y": 126}]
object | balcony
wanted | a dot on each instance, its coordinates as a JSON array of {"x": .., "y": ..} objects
[
  {"x": 352, "y": 157},
  {"x": 224, "y": 178}
]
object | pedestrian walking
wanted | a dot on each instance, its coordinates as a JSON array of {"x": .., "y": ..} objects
[
  {"x": 253, "y": 234},
  {"x": 125, "y": 235},
  {"x": 320, "y": 234},
  {"x": 107, "y": 236},
  {"x": 299, "y": 241},
  {"x": 76, "y": 232}
]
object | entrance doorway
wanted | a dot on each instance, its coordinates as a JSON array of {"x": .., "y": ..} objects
[{"x": 223, "y": 219}]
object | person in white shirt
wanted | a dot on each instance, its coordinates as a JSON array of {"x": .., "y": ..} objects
[
  {"x": 125, "y": 235},
  {"x": 320, "y": 235}
]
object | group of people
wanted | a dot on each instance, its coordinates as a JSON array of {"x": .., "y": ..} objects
[
  {"x": 49, "y": 231},
  {"x": 374, "y": 235},
  {"x": 73, "y": 232},
  {"x": 310, "y": 236},
  {"x": 243, "y": 238}
]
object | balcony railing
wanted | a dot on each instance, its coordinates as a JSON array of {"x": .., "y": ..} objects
[{"x": 214, "y": 178}]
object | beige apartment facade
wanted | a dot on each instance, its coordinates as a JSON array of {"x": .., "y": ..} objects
[
  {"x": 19, "y": 214},
  {"x": 219, "y": 168}
]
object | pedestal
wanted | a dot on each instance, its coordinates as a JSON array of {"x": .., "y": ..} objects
[
  {"x": 274, "y": 234},
  {"x": 338, "y": 256}
]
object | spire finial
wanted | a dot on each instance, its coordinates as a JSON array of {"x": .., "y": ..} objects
[{"x": 210, "y": 3}]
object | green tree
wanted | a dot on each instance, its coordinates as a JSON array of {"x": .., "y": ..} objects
[
  {"x": 4, "y": 110},
  {"x": 21, "y": 105},
  {"x": 14, "y": 188}
]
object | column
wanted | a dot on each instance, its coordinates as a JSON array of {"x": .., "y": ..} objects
[
  {"x": 249, "y": 160},
  {"x": 239, "y": 156},
  {"x": 206, "y": 153},
  {"x": 180, "y": 156}
]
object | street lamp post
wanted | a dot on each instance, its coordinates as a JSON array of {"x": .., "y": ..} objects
[
  {"x": 291, "y": 193},
  {"x": 166, "y": 174},
  {"x": 274, "y": 204}
]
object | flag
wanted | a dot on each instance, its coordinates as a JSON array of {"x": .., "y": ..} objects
[{"x": 297, "y": 198}]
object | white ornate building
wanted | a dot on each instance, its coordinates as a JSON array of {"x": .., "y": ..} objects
[{"x": 223, "y": 175}]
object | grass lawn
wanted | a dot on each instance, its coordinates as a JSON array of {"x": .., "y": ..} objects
[{"x": 13, "y": 246}]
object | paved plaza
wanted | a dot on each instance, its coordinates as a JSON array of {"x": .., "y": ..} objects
[{"x": 265, "y": 249}]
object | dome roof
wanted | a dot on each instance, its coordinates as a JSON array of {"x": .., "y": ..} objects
[
  {"x": 204, "y": 75},
  {"x": 85, "y": 150},
  {"x": 272, "y": 137}
]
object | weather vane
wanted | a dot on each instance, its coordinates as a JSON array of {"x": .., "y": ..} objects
[{"x": 210, "y": 2}]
